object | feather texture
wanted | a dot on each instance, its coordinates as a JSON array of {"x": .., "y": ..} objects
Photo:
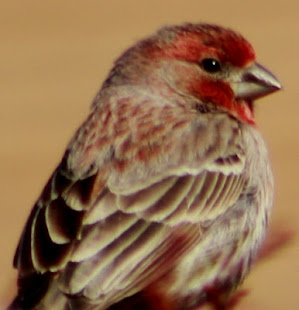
[{"x": 165, "y": 185}]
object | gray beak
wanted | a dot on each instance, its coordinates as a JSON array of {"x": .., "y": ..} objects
[{"x": 255, "y": 82}]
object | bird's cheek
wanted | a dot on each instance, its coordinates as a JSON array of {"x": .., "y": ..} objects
[
  {"x": 222, "y": 97},
  {"x": 215, "y": 92}
]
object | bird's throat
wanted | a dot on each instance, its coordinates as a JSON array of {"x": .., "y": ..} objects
[{"x": 243, "y": 110}]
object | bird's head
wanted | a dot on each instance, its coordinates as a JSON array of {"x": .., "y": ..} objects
[{"x": 214, "y": 65}]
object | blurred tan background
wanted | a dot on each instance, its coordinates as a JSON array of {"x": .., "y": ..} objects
[{"x": 55, "y": 54}]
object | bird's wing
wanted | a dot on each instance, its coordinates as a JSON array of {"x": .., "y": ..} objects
[{"x": 115, "y": 216}]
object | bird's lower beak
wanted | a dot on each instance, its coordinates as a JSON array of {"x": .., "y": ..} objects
[{"x": 255, "y": 82}]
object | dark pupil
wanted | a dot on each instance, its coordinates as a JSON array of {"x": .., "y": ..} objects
[{"x": 211, "y": 65}]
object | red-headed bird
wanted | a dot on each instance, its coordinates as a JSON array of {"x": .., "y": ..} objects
[{"x": 164, "y": 192}]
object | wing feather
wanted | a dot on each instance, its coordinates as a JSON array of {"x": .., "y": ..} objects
[
  {"x": 97, "y": 236},
  {"x": 170, "y": 201},
  {"x": 77, "y": 275},
  {"x": 145, "y": 198},
  {"x": 104, "y": 206},
  {"x": 111, "y": 249},
  {"x": 46, "y": 255},
  {"x": 62, "y": 221}
]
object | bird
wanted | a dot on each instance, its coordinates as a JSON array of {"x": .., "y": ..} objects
[{"x": 163, "y": 196}]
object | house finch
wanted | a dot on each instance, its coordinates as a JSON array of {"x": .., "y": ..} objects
[{"x": 164, "y": 192}]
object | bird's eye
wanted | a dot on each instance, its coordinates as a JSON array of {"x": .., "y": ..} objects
[{"x": 211, "y": 65}]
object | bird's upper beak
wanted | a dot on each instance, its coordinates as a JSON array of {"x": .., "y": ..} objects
[{"x": 255, "y": 82}]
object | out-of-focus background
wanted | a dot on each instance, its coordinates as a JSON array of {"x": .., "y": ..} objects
[{"x": 54, "y": 56}]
